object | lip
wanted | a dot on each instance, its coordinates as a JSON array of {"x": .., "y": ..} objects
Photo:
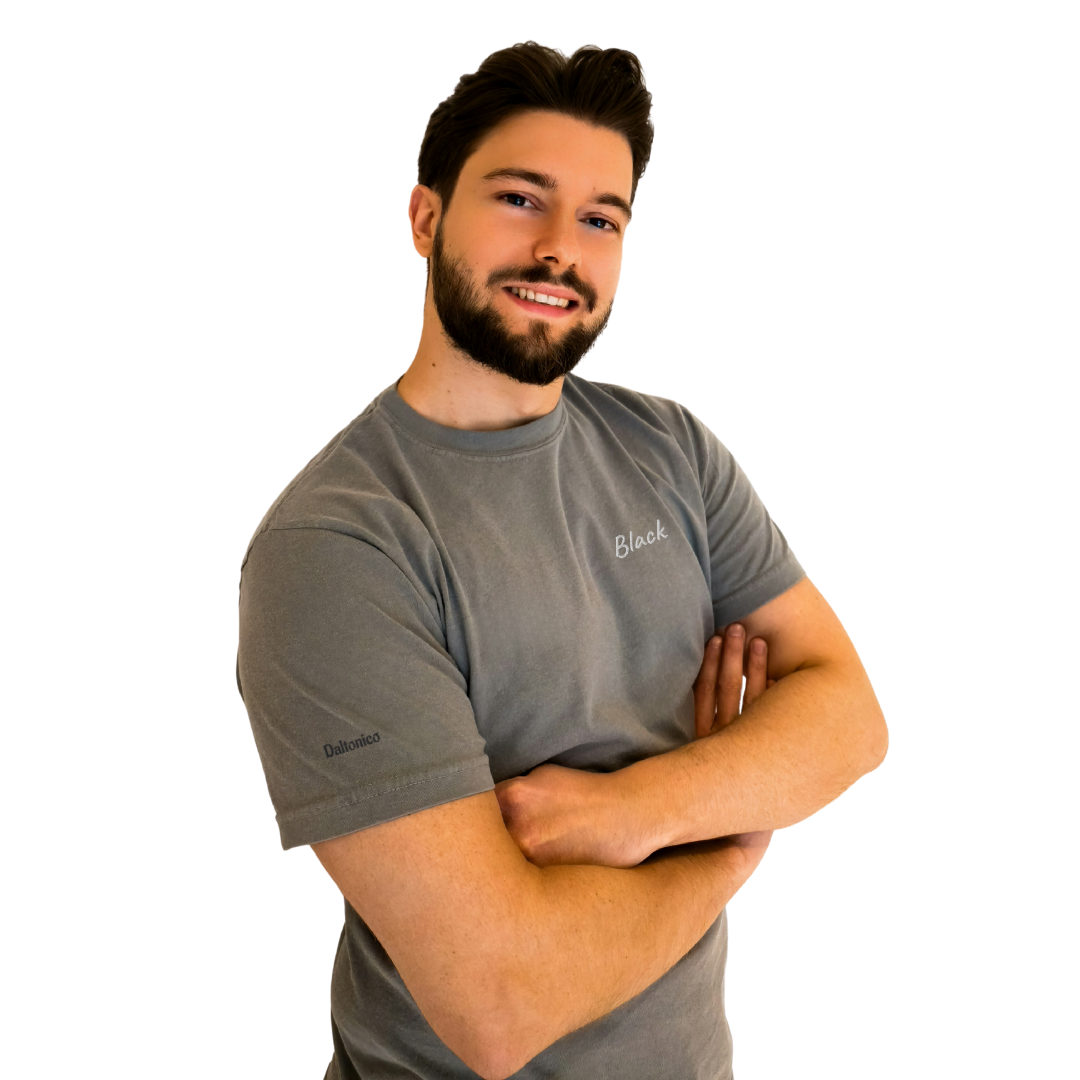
[
  {"x": 547, "y": 290},
  {"x": 534, "y": 308}
]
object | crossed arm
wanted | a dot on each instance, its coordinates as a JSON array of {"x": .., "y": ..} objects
[
  {"x": 810, "y": 727},
  {"x": 518, "y": 916}
]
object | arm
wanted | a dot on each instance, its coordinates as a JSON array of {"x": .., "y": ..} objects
[
  {"x": 794, "y": 748},
  {"x": 503, "y": 957}
]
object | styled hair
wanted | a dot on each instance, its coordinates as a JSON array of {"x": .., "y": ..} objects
[{"x": 603, "y": 87}]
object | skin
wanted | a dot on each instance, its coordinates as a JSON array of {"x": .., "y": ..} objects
[
  {"x": 498, "y": 221},
  {"x": 517, "y": 916},
  {"x": 797, "y": 745}
]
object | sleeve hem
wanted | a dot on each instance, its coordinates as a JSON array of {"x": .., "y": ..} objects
[
  {"x": 312, "y": 824},
  {"x": 750, "y": 597}
]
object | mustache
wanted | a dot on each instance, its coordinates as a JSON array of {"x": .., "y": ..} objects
[{"x": 538, "y": 274}]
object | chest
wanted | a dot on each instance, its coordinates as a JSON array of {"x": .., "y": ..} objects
[{"x": 578, "y": 609}]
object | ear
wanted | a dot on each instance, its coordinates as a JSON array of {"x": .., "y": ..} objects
[{"x": 425, "y": 208}]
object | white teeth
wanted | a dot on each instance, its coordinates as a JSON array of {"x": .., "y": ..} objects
[{"x": 540, "y": 298}]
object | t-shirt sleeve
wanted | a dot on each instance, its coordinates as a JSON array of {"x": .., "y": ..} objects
[
  {"x": 359, "y": 712},
  {"x": 750, "y": 560}
]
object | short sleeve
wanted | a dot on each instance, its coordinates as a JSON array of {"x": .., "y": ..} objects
[
  {"x": 359, "y": 713},
  {"x": 750, "y": 560}
]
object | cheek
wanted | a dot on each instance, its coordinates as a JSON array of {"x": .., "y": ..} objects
[
  {"x": 606, "y": 278},
  {"x": 490, "y": 253},
  {"x": 605, "y": 261},
  {"x": 479, "y": 242},
  {"x": 613, "y": 282}
]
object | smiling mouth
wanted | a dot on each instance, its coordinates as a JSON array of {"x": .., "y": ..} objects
[{"x": 538, "y": 300}]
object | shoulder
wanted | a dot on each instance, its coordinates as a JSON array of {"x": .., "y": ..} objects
[
  {"x": 355, "y": 486},
  {"x": 643, "y": 418}
]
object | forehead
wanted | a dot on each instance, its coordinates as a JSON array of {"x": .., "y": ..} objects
[{"x": 581, "y": 157}]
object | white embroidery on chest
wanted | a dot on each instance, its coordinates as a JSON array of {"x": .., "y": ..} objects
[{"x": 622, "y": 548}]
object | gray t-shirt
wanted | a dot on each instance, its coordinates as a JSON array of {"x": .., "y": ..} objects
[{"x": 427, "y": 611}]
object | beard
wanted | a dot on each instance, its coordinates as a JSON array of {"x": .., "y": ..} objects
[{"x": 475, "y": 328}]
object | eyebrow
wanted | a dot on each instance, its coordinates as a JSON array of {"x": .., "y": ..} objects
[{"x": 547, "y": 182}]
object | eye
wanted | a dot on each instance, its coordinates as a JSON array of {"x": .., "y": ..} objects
[
  {"x": 602, "y": 223},
  {"x": 516, "y": 199}
]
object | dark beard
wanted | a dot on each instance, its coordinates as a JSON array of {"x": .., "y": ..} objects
[{"x": 478, "y": 330}]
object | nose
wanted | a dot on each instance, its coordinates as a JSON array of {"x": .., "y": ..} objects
[{"x": 558, "y": 245}]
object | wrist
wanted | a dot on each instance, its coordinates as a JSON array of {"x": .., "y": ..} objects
[{"x": 640, "y": 812}]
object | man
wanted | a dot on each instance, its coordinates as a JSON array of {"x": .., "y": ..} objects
[{"x": 473, "y": 629}]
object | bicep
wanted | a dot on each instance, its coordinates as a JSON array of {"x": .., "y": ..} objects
[{"x": 801, "y": 630}]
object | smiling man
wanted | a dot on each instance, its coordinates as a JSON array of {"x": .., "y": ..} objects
[{"x": 493, "y": 639}]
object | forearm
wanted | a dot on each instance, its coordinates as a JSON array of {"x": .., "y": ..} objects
[
  {"x": 504, "y": 957},
  {"x": 791, "y": 752},
  {"x": 586, "y": 939},
  {"x": 575, "y": 943}
]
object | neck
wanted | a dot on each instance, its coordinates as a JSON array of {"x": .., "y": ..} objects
[{"x": 455, "y": 391}]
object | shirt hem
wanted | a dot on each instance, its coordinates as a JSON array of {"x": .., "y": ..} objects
[
  {"x": 368, "y": 810},
  {"x": 749, "y": 598}
]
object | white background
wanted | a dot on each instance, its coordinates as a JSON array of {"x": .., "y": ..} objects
[{"x": 854, "y": 255}]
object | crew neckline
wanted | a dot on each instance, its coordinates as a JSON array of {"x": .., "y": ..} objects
[{"x": 523, "y": 437}]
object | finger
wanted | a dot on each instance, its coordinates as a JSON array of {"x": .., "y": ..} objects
[
  {"x": 770, "y": 684},
  {"x": 729, "y": 684},
  {"x": 756, "y": 671},
  {"x": 705, "y": 689}
]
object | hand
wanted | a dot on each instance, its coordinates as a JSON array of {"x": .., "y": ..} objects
[
  {"x": 716, "y": 703},
  {"x": 719, "y": 682},
  {"x": 560, "y": 815}
]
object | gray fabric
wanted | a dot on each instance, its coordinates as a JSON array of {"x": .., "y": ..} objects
[{"x": 427, "y": 611}]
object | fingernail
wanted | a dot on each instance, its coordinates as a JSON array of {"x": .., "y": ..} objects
[
  {"x": 758, "y": 646},
  {"x": 735, "y": 631}
]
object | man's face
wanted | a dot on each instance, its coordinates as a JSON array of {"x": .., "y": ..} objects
[{"x": 539, "y": 209}]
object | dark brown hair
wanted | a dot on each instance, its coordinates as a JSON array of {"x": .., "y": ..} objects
[{"x": 603, "y": 87}]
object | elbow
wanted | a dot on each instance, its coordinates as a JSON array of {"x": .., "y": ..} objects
[
  {"x": 882, "y": 744},
  {"x": 861, "y": 745},
  {"x": 875, "y": 740},
  {"x": 866, "y": 736},
  {"x": 498, "y": 1064},
  {"x": 483, "y": 1003},
  {"x": 492, "y": 1021},
  {"x": 493, "y": 1050}
]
